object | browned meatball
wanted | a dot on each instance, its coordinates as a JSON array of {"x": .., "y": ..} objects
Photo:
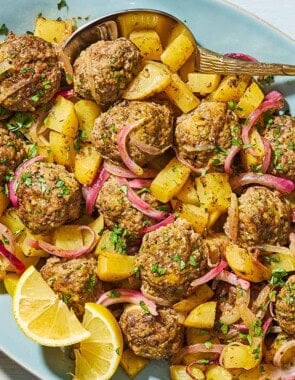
[
  {"x": 154, "y": 337},
  {"x": 33, "y": 74},
  {"x": 281, "y": 136},
  {"x": 105, "y": 68},
  {"x": 203, "y": 135},
  {"x": 285, "y": 306},
  {"x": 264, "y": 217},
  {"x": 170, "y": 258},
  {"x": 155, "y": 132},
  {"x": 74, "y": 280},
  {"x": 116, "y": 208},
  {"x": 12, "y": 152},
  {"x": 48, "y": 196}
]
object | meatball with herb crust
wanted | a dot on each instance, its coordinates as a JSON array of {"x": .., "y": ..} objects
[
  {"x": 12, "y": 152},
  {"x": 154, "y": 132},
  {"x": 203, "y": 136},
  {"x": 48, "y": 196},
  {"x": 264, "y": 217},
  {"x": 170, "y": 258},
  {"x": 104, "y": 70},
  {"x": 280, "y": 134},
  {"x": 117, "y": 210},
  {"x": 153, "y": 337},
  {"x": 285, "y": 306},
  {"x": 32, "y": 74},
  {"x": 74, "y": 280}
]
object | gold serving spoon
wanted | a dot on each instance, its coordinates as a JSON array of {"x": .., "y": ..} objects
[{"x": 108, "y": 28}]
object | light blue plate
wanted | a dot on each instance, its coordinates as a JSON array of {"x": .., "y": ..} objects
[{"x": 217, "y": 26}]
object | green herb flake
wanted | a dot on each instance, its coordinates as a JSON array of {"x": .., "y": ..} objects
[
  {"x": 208, "y": 344},
  {"x": 277, "y": 278},
  {"x": 232, "y": 105},
  {"x": 224, "y": 328},
  {"x": 32, "y": 151},
  {"x": 124, "y": 189},
  {"x": 117, "y": 238},
  {"x": 90, "y": 284},
  {"x": 192, "y": 261},
  {"x": 3, "y": 30},
  {"x": 114, "y": 294},
  {"x": 144, "y": 307},
  {"x": 62, "y": 4},
  {"x": 157, "y": 270},
  {"x": 143, "y": 190},
  {"x": 137, "y": 272},
  {"x": 182, "y": 265},
  {"x": 64, "y": 190},
  {"x": 117, "y": 350}
]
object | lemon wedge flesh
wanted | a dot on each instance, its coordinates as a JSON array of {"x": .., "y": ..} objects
[
  {"x": 99, "y": 355},
  {"x": 41, "y": 315}
]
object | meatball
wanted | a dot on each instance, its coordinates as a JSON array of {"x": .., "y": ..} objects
[
  {"x": 170, "y": 258},
  {"x": 203, "y": 135},
  {"x": 154, "y": 337},
  {"x": 264, "y": 217},
  {"x": 12, "y": 152},
  {"x": 74, "y": 280},
  {"x": 33, "y": 74},
  {"x": 116, "y": 208},
  {"x": 48, "y": 195},
  {"x": 281, "y": 136},
  {"x": 155, "y": 132},
  {"x": 105, "y": 68},
  {"x": 285, "y": 306}
]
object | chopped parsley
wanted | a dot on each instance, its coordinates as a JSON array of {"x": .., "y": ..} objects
[
  {"x": 3, "y": 30},
  {"x": 32, "y": 151},
  {"x": 224, "y": 328},
  {"x": 62, "y": 4},
  {"x": 256, "y": 352},
  {"x": 64, "y": 190},
  {"x": 157, "y": 270},
  {"x": 21, "y": 120},
  {"x": 192, "y": 261},
  {"x": 278, "y": 276},
  {"x": 27, "y": 179},
  {"x": 256, "y": 329},
  {"x": 208, "y": 344},
  {"x": 137, "y": 272},
  {"x": 232, "y": 105},
  {"x": 144, "y": 307},
  {"x": 117, "y": 350},
  {"x": 66, "y": 298},
  {"x": 90, "y": 284},
  {"x": 143, "y": 190},
  {"x": 117, "y": 238},
  {"x": 124, "y": 189},
  {"x": 182, "y": 265},
  {"x": 114, "y": 294}
]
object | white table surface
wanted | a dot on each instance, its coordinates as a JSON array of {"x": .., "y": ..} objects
[{"x": 280, "y": 14}]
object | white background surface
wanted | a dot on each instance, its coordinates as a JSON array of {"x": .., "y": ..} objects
[{"x": 278, "y": 13}]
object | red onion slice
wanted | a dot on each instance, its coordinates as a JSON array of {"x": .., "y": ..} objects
[
  {"x": 233, "y": 151},
  {"x": 277, "y": 359},
  {"x": 140, "y": 183},
  {"x": 196, "y": 348},
  {"x": 122, "y": 148},
  {"x": 281, "y": 184},
  {"x": 210, "y": 275},
  {"x": 118, "y": 171},
  {"x": 14, "y": 261},
  {"x": 232, "y": 279},
  {"x": 168, "y": 220},
  {"x": 128, "y": 296},
  {"x": 7, "y": 235},
  {"x": 242, "y": 56},
  {"x": 293, "y": 215},
  {"x": 94, "y": 189},
  {"x": 266, "y": 325},
  {"x": 13, "y": 183},
  {"x": 149, "y": 149},
  {"x": 267, "y": 155},
  {"x": 139, "y": 204},
  {"x": 273, "y": 100},
  {"x": 66, "y": 253}
]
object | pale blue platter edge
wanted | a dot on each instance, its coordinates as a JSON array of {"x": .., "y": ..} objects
[{"x": 217, "y": 26}]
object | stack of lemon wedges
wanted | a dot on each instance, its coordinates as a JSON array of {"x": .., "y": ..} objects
[{"x": 44, "y": 318}]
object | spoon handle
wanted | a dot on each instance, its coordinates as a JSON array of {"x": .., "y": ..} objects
[{"x": 210, "y": 62}]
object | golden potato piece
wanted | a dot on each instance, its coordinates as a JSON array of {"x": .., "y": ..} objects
[
  {"x": 148, "y": 42},
  {"x": 231, "y": 88},
  {"x": 202, "y": 316},
  {"x": 203, "y": 83},
  {"x": 216, "y": 372},
  {"x": 177, "y": 52},
  {"x": 131, "y": 363},
  {"x": 153, "y": 78},
  {"x": 114, "y": 266},
  {"x": 241, "y": 356},
  {"x": 178, "y": 372},
  {"x": 86, "y": 111},
  {"x": 249, "y": 101},
  {"x": 188, "y": 193},
  {"x": 54, "y": 31},
  {"x": 202, "y": 294},
  {"x": 197, "y": 216},
  {"x": 87, "y": 163},
  {"x": 62, "y": 148},
  {"x": 169, "y": 180}
]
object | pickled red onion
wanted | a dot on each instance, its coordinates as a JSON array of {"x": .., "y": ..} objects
[
  {"x": 7, "y": 235},
  {"x": 149, "y": 149},
  {"x": 12, "y": 183},
  {"x": 268, "y": 180},
  {"x": 242, "y": 56},
  {"x": 122, "y": 148},
  {"x": 68, "y": 94},
  {"x": 14, "y": 261},
  {"x": 273, "y": 100},
  {"x": 266, "y": 325},
  {"x": 210, "y": 275},
  {"x": 168, "y": 220},
  {"x": 232, "y": 279},
  {"x": 233, "y": 151},
  {"x": 127, "y": 296},
  {"x": 92, "y": 192},
  {"x": 140, "y": 183},
  {"x": 139, "y": 204},
  {"x": 123, "y": 172},
  {"x": 195, "y": 348},
  {"x": 66, "y": 253},
  {"x": 267, "y": 155}
]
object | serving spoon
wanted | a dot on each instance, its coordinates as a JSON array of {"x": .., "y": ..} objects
[{"x": 206, "y": 61}]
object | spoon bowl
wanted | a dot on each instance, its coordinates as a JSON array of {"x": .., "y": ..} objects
[{"x": 206, "y": 61}]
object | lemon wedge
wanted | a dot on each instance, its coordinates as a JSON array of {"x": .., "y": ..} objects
[
  {"x": 41, "y": 315},
  {"x": 99, "y": 355},
  {"x": 10, "y": 282}
]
